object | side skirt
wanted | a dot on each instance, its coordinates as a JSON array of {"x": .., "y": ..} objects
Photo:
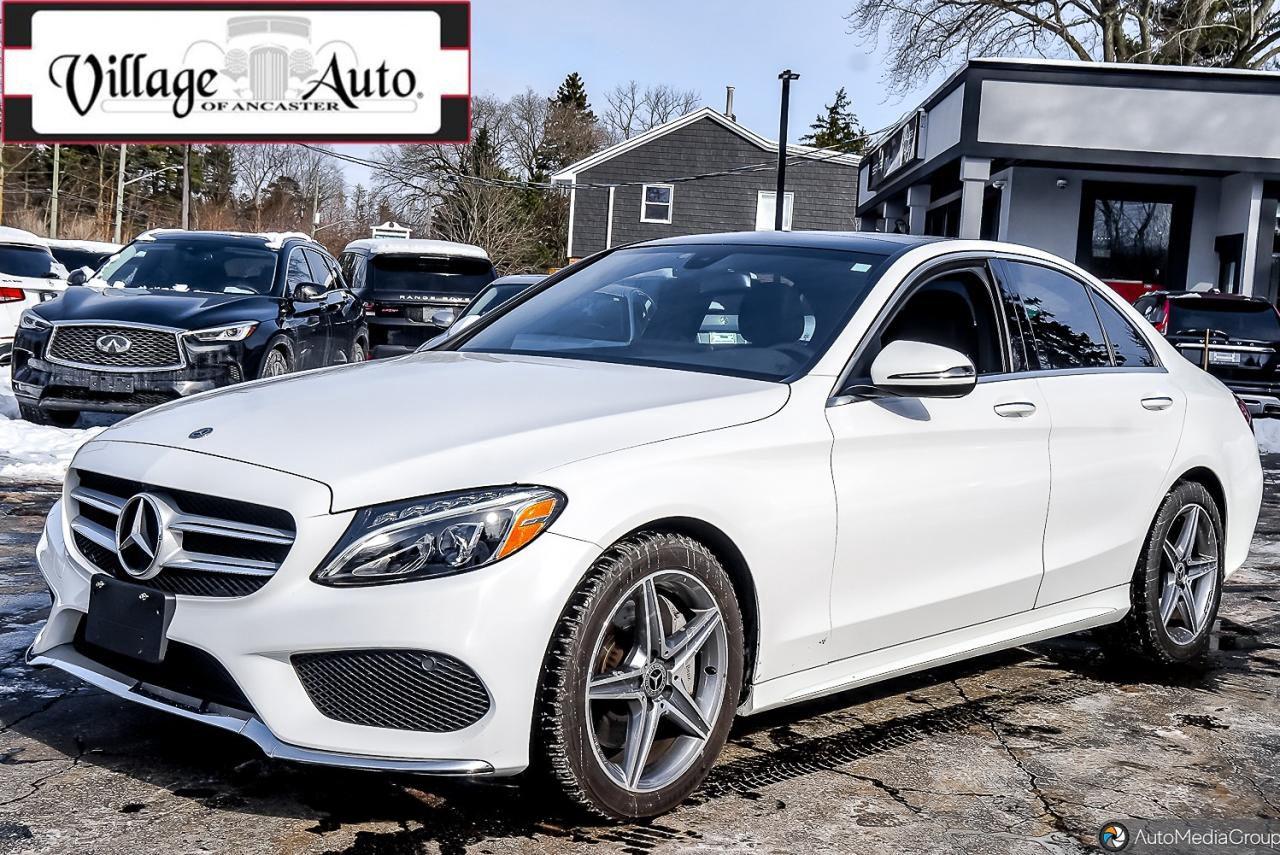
[{"x": 1081, "y": 613}]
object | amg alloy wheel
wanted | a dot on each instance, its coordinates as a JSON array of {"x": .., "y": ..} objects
[
  {"x": 643, "y": 677},
  {"x": 1178, "y": 582}
]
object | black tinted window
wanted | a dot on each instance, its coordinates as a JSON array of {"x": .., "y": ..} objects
[
  {"x": 299, "y": 272},
  {"x": 1064, "y": 327},
  {"x": 1128, "y": 346},
  {"x": 1255, "y": 321},
  {"x": 410, "y": 273},
  {"x": 25, "y": 261},
  {"x": 322, "y": 271}
]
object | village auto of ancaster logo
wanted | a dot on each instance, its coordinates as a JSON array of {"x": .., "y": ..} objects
[{"x": 344, "y": 73}]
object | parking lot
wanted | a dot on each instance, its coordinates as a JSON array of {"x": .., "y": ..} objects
[{"x": 1025, "y": 751}]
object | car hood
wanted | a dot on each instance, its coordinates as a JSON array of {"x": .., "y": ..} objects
[
  {"x": 183, "y": 310},
  {"x": 434, "y": 422}
]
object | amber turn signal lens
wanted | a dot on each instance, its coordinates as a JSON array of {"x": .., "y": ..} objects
[{"x": 531, "y": 520}]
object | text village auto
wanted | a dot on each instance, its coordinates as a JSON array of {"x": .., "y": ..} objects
[{"x": 176, "y": 313}]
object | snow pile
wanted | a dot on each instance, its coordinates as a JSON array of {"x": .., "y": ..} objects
[
  {"x": 1268, "y": 433},
  {"x": 34, "y": 452}
]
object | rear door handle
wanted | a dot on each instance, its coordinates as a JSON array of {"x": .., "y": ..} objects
[
  {"x": 1015, "y": 409},
  {"x": 1158, "y": 402}
]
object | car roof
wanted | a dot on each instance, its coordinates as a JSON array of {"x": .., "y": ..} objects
[
  {"x": 87, "y": 245},
  {"x": 22, "y": 237},
  {"x": 875, "y": 242},
  {"x": 271, "y": 240},
  {"x": 413, "y": 246},
  {"x": 519, "y": 279}
]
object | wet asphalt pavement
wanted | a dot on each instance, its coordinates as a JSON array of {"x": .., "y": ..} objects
[{"x": 1030, "y": 750}]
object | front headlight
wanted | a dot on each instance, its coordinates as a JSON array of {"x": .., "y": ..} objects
[
  {"x": 438, "y": 535},
  {"x": 217, "y": 335},
  {"x": 29, "y": 320}
]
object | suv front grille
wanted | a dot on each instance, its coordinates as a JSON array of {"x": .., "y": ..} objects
[
  {"x": 400, "y": 689},
  {"x": 147, "y": 348},
  {"x": 228, "y": 548}
]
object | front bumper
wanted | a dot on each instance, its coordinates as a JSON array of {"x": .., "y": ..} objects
[
  {"x": 51, "y": 386},
  {"x": 497, "y": 620}
]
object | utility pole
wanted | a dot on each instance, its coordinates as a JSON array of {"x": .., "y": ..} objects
[
  {"x": 186, "y": 186},
  {"x": 120, "y": 193},
  {"x": 315, "y": 207},
  {"x": 779, "y": 200},
  {"x": 53, "y": 199}
]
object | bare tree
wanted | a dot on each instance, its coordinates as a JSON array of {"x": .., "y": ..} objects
[
  {"x": 630, "y": 110},
  {"x": 527, "y": 116},
  {"x": 931, "y": 36}
]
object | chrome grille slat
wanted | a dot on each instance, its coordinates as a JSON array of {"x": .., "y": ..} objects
[
  {"x": 150, "y": 349},
  {"x": 222, "y": 551}
]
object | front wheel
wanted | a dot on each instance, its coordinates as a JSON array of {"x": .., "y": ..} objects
[
  {"x": 276, "y": 363},
  {"x": 1177, "y": 585},
  {"x": 642, "y": 678}
]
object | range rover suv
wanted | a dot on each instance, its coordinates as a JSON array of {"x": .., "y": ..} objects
[
  {"x": 413, "y": 289},
  {"x": 180, "y": 312}
]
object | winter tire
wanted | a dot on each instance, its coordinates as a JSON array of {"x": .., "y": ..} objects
[
  {"x": 277, "y": 362},
  {"x": 642, "y": 677}
]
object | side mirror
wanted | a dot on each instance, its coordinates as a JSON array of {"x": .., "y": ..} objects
[
  {"x": 79, "y": 276},
  {"x": 914, "y": 369},
  {"x": 307, "y": 292},
  {"x": 443, "y": 318}
]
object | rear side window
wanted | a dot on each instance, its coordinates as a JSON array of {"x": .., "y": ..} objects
[
  {"x": 1065, "y": 330},
  {"x": 1128, "y": 346}
]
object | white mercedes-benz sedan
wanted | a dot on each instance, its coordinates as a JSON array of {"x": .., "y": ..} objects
[{"x": 678, "y": 482}]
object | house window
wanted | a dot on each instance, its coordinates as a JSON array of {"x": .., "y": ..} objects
[
  {"x": 1135, "y": 232},
  {"x": 656, "y": 205},
  {"x": 766, "y": 208}
]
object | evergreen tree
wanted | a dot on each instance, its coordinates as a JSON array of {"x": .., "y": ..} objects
[
  {"x": 838, "y": 128},
  {"x": 573, "y": 94}
]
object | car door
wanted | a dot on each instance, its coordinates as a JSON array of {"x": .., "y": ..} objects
[
  {"x": 1117, "y": 419},
  {"x": 308, "y": 321},
  {"x": 941, "y": 502},
  {"x": 344, "y": 311}
]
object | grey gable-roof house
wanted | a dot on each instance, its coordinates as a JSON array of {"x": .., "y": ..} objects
[{"x": 624, "y": 193}]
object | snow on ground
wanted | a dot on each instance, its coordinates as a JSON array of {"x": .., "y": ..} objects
[
  {"x": 34, "y": 452},
  {"x": 1268, "y": 433}
]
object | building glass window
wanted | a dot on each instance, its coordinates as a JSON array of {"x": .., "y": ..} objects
[
  {"x": 1135, "y": 233},
  {"x": 655, "y": 206},
  {"x": 766, "y": 210}
]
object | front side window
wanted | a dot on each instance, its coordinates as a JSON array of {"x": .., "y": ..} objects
[
  {"x": 197, "y": 265},
  {"x": 30, "y": 261},
  {"x": 299, "y": 271},
  {"x": 1064, "y": 328},
  {"x": 779, "y": 309},
  {"x": 656, "y": 203},
  {"x": 1128, "y": 347},
  {"x": 322, "y": 271}
]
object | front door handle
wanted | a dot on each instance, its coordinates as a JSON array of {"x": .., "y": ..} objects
[
  {"x": 1015, "y": 409},
  {"x": 1158, "y": 402}
]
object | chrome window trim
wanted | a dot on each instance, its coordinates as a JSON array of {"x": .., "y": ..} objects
[{"x": 111, "y": 369}]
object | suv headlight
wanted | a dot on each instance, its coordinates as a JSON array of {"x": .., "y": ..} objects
[
  {"x": 29, "y": 320},
  {"x": 217, "y": 335},
  {"x": 438, "y": 535}
]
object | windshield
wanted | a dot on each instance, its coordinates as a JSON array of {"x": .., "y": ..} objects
[
  {"x": 74, "y": 259},
  {"x": 32, "y": 261},
  {"x": 1239, "y": 320},
  {"x": 410, "y": 273},
  {"x": 749, "y": 311},
  {"x": 205, "y": 266},
  {"x": 491, "y": 298}
]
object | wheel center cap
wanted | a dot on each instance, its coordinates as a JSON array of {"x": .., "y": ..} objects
[
  {"x": 1180, "y": 572},
  {"x": 656, "y": 679}
]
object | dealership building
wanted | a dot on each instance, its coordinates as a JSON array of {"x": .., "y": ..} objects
[{"x": 1147, "y": 176}]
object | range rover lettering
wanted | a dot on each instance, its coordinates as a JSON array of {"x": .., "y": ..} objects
[
  {"x": 592, "y": 534},
  {"x": 177, "y": 312}
]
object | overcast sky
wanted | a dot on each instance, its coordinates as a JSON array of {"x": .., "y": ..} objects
[{"x": 702, "y": 45}]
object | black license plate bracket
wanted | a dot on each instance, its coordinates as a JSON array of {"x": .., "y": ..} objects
[
  {"x": 128, "y": 619},
  {"x": 111, "y": 383}
]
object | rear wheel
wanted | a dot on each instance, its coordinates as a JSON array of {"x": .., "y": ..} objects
[
  {"x": 642, "y": 678},
  {"x": 55, "y": 418},
  {"x": 1177, "y": 585}
]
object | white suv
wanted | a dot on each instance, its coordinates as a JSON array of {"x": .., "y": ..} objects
[
  {"x": 583, "y": 535},
  {"x": 28, "y": 274}
]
